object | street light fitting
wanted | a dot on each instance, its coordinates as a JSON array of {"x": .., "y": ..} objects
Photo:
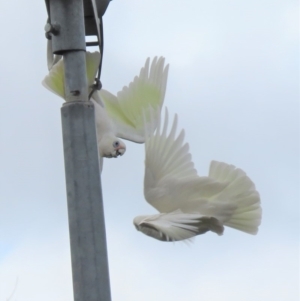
[
  {"x": 93, "y": 10},
  {"x": 89, "y": 18}
]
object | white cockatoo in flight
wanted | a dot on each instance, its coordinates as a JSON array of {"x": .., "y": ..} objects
[
  {"x": 120, "y": 116},
  {"x": 188, "y": 204}
]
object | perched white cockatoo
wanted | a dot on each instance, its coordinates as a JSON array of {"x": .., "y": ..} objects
[
  {"x": 190, "y": 205},
  {"x": 120, "y": 116}
]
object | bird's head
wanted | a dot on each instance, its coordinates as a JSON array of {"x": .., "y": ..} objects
[
  {"x": 138, "y": 220},
  {"x": 111, "y": 147},
  {"x": 146, "y": 224}
]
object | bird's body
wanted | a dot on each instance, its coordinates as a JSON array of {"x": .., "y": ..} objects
[
  {"x": 190, "y": 205},
  {"x": 120, "y": 116},
  {"x": 109, "y": 145},
  {"x": 176, "y": 225}
]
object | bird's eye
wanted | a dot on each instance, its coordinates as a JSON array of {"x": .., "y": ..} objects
[{"x": 116, "y": 144}]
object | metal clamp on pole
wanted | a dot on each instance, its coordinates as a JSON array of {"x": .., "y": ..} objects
[
  {"x": 68, "y": 39},
  {"x": 83, "y": 184}
]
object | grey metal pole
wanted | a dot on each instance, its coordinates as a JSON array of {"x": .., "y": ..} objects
[{"x": 85, "y": 206}]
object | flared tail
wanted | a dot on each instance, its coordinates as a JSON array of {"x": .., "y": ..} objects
[{"x": 241, "y": 191}]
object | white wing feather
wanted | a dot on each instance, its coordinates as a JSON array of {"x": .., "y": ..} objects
[
  {"x": 137, "y": 107},
  {"x": 55, "y": 81},
  {"x": 145, "y": 95},
  {"x": 171, "y": 181}
]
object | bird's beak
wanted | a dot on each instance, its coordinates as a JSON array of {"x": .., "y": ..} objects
[{"x": 120, "y": 151}]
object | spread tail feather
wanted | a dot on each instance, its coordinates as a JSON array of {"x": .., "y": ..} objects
[{"x": 241, "y": 191}]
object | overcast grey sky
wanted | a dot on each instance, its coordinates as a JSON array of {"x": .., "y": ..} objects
[{"x": 233, "y": 80}]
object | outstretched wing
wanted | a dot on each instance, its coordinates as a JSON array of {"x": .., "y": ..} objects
[
  {"x": 176, "y": 225},
  {"x": 55, "y": 81},
  {"x": 166, "y": 154},
  {"x": 143, "y": 97},
  {"x": 171, "y": 181}
]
